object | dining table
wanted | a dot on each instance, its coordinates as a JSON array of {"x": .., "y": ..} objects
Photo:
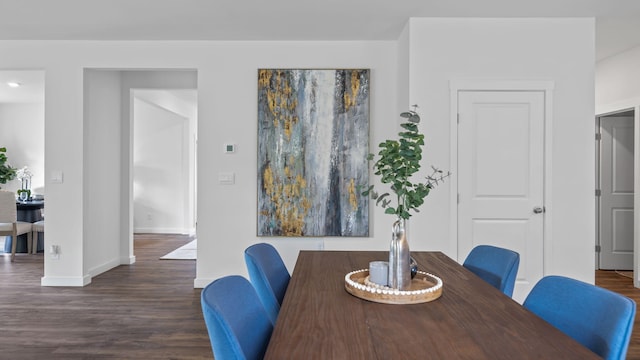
[
  {"x": 320, "y": 319},
  {"x": 28, "y": 211}
]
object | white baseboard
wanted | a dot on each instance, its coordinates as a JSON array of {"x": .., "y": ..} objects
[
  {"x": 128, "y": 260},
  {"x": 200, "y": 283},
  {"x": 65, "y": 281},
  {"x": 156, "y": 230},
  {"x": 104, "y": 267}
]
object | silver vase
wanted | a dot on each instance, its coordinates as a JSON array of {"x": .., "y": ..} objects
[{"x": 399, "y": 258}]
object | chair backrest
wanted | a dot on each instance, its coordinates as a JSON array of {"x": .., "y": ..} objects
[
  {"x": 237, "y": 323},
  {"x": 597, "y": 318},
  {"x": 8, "y": 209},
  {"x": 268, "y": 275},
  {"x": 495, "y": 265}
]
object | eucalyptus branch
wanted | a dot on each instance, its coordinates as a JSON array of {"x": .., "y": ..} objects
[{"x": 398, "y": 161}]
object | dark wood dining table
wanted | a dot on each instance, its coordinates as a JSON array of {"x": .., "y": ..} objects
[
  {"x": 30, "y": 210},
  {"x": 319, "y": 319},
  {"x": 27, "y": 211}
]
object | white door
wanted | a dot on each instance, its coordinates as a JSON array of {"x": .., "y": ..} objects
[
  {"x": 501, "y": 177},
  {"x": 616, "y": 189}
]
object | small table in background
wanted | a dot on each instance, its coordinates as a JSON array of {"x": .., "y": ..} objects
[{"x": 28, "y": 211}]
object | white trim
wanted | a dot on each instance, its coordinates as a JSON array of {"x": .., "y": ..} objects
[
  {"x": 619, "y": 106},
  {"x": 159, "y": 230},
  {"x": 500, "y": 85},
  {"x": 453, "y": 165},
  {"x": 200, "y": 283},
  {"x": 65, "y": 281},
  {"x": 548, "y": 179},
  {"x": 636, "y": 196},
  {"x": 103, "y": 268},
  {"x": 546, "y": 86}
]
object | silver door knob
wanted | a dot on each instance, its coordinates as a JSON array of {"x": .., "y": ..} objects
[{"x": 538, "y": 210}]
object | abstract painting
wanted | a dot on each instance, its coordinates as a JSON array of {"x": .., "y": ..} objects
[{"x": 313, "y": 141}]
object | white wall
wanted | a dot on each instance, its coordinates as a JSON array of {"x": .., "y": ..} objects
[
  {"x": 404, "y": 69},
  {"x": 558, "y": 50},
  {"x": 618, "y": 78},
  {"x": 160, "y": 162},
  {"x": 227, "y": 92},
  {"x": 233, "y": 81},
  {"x": 22, "y": 133},
  {"x": 101, "y": 205}
]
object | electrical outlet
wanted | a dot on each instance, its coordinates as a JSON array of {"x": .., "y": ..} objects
[{"x": 54, "y": 251}]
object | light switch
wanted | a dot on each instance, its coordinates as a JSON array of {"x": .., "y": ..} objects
[
  {"x": 57, "y": 177},
  {"x": 226, "y": 178}
]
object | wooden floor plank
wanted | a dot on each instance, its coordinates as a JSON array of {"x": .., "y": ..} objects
[
  {"x": 148, "y": 310},
  {"x": 622, "y": 283}
]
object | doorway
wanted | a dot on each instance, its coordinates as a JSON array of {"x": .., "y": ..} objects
[
  {"x": 109, "y": 157},
  {"x": 615, "y": 190},
  {"x": 164, "y": 161},
  {"x": 22, "y": 119}
]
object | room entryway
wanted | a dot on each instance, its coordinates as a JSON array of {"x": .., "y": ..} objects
[
  {"x": 615, "y": 190},
  {"x": 145, "y": 183}
]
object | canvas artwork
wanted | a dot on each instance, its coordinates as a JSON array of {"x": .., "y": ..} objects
[{"x": 313, "y": 141}]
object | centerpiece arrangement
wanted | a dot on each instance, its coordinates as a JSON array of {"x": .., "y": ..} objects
[
  {"x": 398, "y": 161},
  {"x": 24, "y": 175}
]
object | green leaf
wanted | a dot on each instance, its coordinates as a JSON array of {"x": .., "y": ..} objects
[
  {"x": 381, "y": 197},
  {"x": 399, "y": 160},
  {"x": 366, "y": 192}
]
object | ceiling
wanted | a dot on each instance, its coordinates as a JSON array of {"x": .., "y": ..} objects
[{"x": 617, "y": 21}]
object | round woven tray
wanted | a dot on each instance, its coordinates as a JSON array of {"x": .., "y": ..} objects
[{"x": 424, "y": 287}]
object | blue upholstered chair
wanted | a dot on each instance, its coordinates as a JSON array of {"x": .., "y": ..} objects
[
  {"x": 597, "y": 318},
  {"x": 268, "y": 275},
  {"x": 238, "y": 325},
  {"x": 495, "y": 265}
]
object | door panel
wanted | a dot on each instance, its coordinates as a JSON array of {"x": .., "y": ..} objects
[
  {"x": 500, "y": 177},
  {"x": 617, "y": 189}
]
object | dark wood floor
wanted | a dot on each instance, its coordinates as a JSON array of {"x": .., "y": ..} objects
[
  {"x": 624, "y": 285},
  {"x": 148, "y": 310}
]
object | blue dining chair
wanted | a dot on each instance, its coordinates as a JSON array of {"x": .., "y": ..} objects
[
  {"x": 595, "y": 317},
  {"x": 268, "y": 275},
  {"x": 495, "y": 265},
  {"x": 237, "y": 323}
]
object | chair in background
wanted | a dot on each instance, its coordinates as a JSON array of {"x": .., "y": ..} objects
[
  {"x": 495, "y": 265},
  {"x": 36, "y": 227},
  {"x": 9, "y": 224},
  {"x": 597, "y": 318},
  {"x": 237, "y": 323},
  {"x": 268, "y": 275}
]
